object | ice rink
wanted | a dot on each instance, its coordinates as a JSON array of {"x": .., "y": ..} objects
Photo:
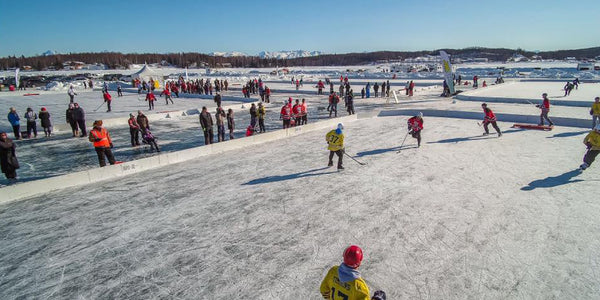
[{"x": 464, "y": 216}]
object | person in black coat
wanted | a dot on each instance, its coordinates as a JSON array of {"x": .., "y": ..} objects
[
  {"x": 8, "y": 159},
  {"x": 71, "y": 119},
  {"x": 206, "y": 122},
  {"x": 44, "y": 116},
  {"x": 79, "y": 117}
]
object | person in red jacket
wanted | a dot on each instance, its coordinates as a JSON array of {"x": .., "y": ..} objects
[
  {"x": 333, "y": 102},
  {"x": 415, "y": 125},
  {"x": 107, "y": 99},
  {"x": 545, "y": 107},
  {"x": 296, "y": 112},
  {"x": 411, "y": 88},
  {"x": 150, "y": 98},
  {"x": 167, "y": 94},
  {"x": 489, "y": 118},
  {"x": 286, "y": 115}
]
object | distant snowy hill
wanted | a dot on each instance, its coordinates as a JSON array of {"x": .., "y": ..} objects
[
  {"x": 288, "y": 54},
  {"x": 49, "y": 53},
  {"x": 228, "y": 54}
]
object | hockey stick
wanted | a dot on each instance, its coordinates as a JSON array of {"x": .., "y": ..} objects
[
  {"x": 403, "y": 141},
  {"x": 354, "y": 159},
  {"x": 97, "y": 108}
]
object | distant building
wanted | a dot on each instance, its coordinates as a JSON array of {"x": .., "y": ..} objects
[{"x": 585, "y": 66}]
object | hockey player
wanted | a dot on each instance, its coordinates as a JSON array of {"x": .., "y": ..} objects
[
  {"x": 545, "y": 107},
  {"x": 286, "y": 115},
  {"x": 333, "y": 102},
  {"x": 489, "y": 118},
  {"x": 415, "y": 125},
  {"x": 150, "y": 98},
  {"x": 344, "y": 281},
  {"x": 167, "y": 93},
  {"x": 595, "y": 112},
  {"x": 303, "y": 112},
  {"x": 592, "y": 141},
  {"x": 107, "y": 98},
  {"x": 296, "y": 112},
  {"x": 335, "y": 142}
]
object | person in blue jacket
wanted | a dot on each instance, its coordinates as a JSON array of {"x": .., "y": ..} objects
[
  {"x": 368, "y": 90},
  {"x": 13, "y": 118}
]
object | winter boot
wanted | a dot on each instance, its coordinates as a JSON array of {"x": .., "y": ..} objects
[
  {"x": 584, "y": 166},
  {"x": 330, "y": 164}
]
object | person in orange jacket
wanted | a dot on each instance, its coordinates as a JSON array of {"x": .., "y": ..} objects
[{"x": 102, "y": 143}]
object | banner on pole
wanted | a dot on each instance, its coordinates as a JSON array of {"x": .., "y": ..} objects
[{"x": 447, "y": 71}]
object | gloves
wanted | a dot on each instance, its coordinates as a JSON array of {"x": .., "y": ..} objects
[{"x": 538, "y": 106}]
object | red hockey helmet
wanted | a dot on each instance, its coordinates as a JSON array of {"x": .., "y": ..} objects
[{"x": 353, "y": 256}]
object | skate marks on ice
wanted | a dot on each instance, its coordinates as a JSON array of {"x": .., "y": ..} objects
[
  {"x": 554, "y": 181},
  {"x": 276, "y": 178},
  {"x": 474, "y": 138}
]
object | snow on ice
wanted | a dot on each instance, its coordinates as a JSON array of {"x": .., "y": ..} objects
[{"x": 464, "y": 216}]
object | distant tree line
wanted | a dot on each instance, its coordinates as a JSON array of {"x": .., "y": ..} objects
[{"x": 115, "y": 60}]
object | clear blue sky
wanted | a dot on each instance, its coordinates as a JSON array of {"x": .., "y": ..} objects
[{"x": 33, "y": 26}]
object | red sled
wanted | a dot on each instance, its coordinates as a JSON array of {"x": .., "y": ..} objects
[
  {"x": 118, "y": 162},
  {"x": 31, "y": 94},
  {"x": 531, "y": 126}
]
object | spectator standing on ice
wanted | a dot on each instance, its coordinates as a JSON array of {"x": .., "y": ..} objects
[
  {"x": 595, "y": 112},
  {"x": 592, "y": 142},
  {"x": 335, "y": 145},
  {"x": 119, "y": 90},
  {"x": 206, "y": 122},
  {"x": 8, "y": 159},
  {"x": 253, "y": 115},
  {"x": 31, "y": 118},
  {"x": 489, "y": 118},
  {"x": 45, "y": 121},
  {"x": 362, "y": 93},
  {"x": 79, "y": 116},
  {"x": 267, "y": 94},
  {"x": 475, "y": 78},
  {"x": 387, "y": 91},
  {"x": 14, "y": 120},
  {"x": 341, "y": 90},
  {"x": 102, "y": 143},
  {"x": 376, "y": 89},
  {"x": 217, "y": 99},
  {"x": 71, "y": 92},
  {"x": 261, "y": 117},
  {"x": 142, "y": 121},
  {"x": 330, "y": 88},
  {"x": 368, "y": 90},
  {"x": 134, "y": 131},
  {"x": 150, "y": 98},
  {"x": 90, "y": 84},
  {"x": 383, "y": 89},
  {"x": 411, "y": 88},
  {"x": 304, "y": 112},
  {"x": 545, "y": 107},
  {"x": 71, "y": 119},
  {"x": 230, "y": 121},
  {"x": 220, "y": 117},
  {"x": 107, "y": 99}
]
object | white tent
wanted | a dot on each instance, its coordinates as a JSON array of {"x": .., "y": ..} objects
[{"x": 145, "y": 74}]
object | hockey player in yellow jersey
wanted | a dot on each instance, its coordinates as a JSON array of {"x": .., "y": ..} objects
[
  {"x": 335, "y": 142},
  {"x": 344, "y": 281}
]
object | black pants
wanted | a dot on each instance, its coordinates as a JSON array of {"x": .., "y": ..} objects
[
  {"x": 73, "y": 126},
  {"x": 150, "y": 105},
  {"x": 351, "y": 109},
  {"x": 333, "y": 110},
  {"x": 135, "y": 136},
  {"x": 485, "y": 126},
  {"x": 261, "y": 125},
  {"x": 208, "y": 136},
  {"x": 340, "y": 155},
  {"x": 17, "y": 131},
  {"x": 298, "y": 121},
  {"x": 81, "y": 124},
  {"x": 286, "y": 123},
  {"x": 48, "y": 130},
  {"x": 304, "y": 119},
  {"x": 417, "y": 135},
  {"x": 108, "y": 105},
  {"x": 590, "y": 156},
  {"x": 253, "y": 121},
  {"x": 31, "y": 126},
  {"x": 101, "y": 153}
]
